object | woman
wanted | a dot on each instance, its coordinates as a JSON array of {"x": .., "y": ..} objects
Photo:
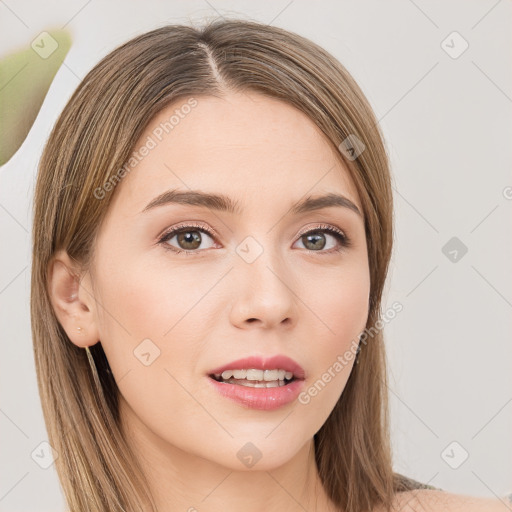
[{"x": 212, "y": 232}]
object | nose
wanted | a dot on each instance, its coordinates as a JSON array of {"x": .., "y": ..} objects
[{"x": 263, "y": 294}]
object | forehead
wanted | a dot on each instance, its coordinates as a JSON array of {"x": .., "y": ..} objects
[{"x": 248, "y": 146}]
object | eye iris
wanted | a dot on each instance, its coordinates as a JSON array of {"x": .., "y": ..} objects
[
  {"x": 191, "y": 239},
  {"x": 314, "y": 238}
]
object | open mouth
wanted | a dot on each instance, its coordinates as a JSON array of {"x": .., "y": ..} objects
[
  {"x": 255, "y": 378},
  {"x": 260, "y": 389}
]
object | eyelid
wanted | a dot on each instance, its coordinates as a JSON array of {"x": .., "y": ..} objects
[
  {"x": 184, "y": 225},
  {"x": 321, "y": 227},
  {"x": 212, "y": 232},
  {"x": 344, "y": 240}
]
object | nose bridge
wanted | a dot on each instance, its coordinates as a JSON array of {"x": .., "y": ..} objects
[{"x": 264, "y": 290}]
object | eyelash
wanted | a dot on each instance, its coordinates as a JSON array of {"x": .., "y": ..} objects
[{"x": 344, "y": 241}]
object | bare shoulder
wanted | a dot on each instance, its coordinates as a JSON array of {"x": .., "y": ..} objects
[{"x": 426, "y": 500}]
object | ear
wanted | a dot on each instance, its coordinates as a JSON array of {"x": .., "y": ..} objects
[{"x": 72, "y": 300}]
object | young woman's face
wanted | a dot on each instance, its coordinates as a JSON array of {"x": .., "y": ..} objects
[{"x": 266, "y": 280}]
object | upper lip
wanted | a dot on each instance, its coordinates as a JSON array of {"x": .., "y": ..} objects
[{"x": 281, "y": 362}]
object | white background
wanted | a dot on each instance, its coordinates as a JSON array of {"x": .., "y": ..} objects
[{"x": 448, "y": 128}]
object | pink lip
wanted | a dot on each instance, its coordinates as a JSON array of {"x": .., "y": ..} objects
[
  {"x": 265, "y": 399},
  {"x": 258, "y": 363}
]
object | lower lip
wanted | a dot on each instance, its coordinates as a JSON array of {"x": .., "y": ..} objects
[{"x": 265, "y": 399}]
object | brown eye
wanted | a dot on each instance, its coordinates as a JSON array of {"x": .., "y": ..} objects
[
  {"x": 188, "y": 238},
  {"x": 314, "y": 241},
  {"x": 319, "y": 239}
]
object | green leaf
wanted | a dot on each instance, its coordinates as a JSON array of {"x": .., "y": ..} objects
[{"x": 25, "y": 77}]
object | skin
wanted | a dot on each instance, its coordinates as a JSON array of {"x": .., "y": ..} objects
[{"x": 307, "y": 304}]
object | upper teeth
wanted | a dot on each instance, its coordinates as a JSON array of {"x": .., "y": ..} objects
[{"x": 253, "y": 374}]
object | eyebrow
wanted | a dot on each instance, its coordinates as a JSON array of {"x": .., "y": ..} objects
[{"x": 224, "y": 203}]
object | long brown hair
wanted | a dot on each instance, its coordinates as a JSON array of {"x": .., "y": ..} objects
[{"x": 93, "y": 139}]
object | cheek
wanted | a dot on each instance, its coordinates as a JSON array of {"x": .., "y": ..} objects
[
  {"x": 159, "y": 315},
  {"x": 342, "y": 315},
  {"x": 342, "y": 304},
  {"x": 347, "y": 311},
  {"x": 141, "y": 299},
  {"x": 152, "y": 328}
]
